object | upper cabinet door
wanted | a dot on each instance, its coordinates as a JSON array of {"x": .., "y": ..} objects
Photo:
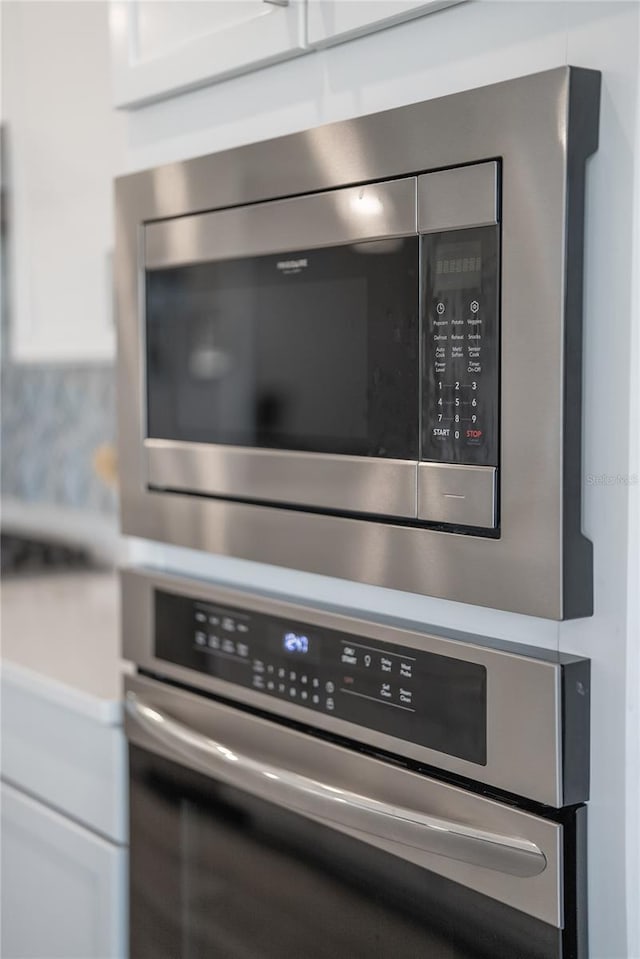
[
  {"x": 162, "y": 48},
  {"x": 63, "y": 143},
  {"x": 332, "y": 21}
]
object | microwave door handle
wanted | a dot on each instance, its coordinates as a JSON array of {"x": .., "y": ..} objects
[{"x": 339, "y": 807}]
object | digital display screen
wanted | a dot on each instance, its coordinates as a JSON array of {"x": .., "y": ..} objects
[
  {"x": 295, "y": 643},
  {"x": 458, "y": 266}
]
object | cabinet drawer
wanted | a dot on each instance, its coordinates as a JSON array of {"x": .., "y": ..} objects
[{"x": 56, "y": 750}]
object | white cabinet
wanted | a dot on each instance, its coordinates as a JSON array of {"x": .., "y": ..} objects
[
  {"x": 64, "y": 824},
  {"x": 162, "y": 48},
  {"x": 63, "y": 888},
  {"x": 66, "y": 748},
  {"x": 62, "y": 146},
  {"x": 332, "y": 21}
]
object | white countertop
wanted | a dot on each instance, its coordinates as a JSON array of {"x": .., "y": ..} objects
[{"x": 60, "y": 637}]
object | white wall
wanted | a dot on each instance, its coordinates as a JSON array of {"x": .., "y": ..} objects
[{"x": 468, "y": 46}]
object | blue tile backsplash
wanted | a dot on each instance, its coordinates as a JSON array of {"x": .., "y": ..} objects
[{"x": 53, "y": 419}]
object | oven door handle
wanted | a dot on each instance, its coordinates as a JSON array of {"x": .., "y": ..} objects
[{"x": 339, "y": 807}]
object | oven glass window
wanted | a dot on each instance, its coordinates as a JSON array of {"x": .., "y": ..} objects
[
  {"x": 314, "y": 351},
  {"x": 218, "y": 873}
]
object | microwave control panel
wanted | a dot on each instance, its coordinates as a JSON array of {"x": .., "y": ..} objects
[
  {"x": 421, "y": 697},
  {"x": 461, "y": 347}
]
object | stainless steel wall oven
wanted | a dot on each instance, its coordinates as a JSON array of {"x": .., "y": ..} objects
[
  {"x": 305, "y": 783},
  {"x": 357, "y": 350}
]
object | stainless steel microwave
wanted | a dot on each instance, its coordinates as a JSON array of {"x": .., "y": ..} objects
[{"x": 357, "y": 350}]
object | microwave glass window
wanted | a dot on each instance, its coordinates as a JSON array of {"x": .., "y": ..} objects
[{"x": 314, "y": 351}]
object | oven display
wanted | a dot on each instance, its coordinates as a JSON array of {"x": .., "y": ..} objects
[
  {"x": 295, "y": 643},
  {"x": 431, "y": 700}
]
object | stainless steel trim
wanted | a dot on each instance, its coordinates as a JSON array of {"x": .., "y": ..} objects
[
  {"x": 461, "y": 495},
  {"x": 524, "y": 696},
  {"x": 370, "y": 212},
  {"x": 395, "y": 810},
  {"x": 460, "y": 198},
  {"x": 337, "y": 806},
  {"x": 277, "y": 3},
  {"x": 527, "y": 123},
  {"x": 351, "y": 483}
]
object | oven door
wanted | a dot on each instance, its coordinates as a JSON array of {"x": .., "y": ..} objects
[
  {"x": 252, "y": 840},
  {"x": 282, "y": 351}
]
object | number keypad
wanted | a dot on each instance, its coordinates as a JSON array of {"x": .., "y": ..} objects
[{"x": 460, "y": 348}]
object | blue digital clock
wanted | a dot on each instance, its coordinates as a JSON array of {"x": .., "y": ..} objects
[{"x": 295, "y": 643}]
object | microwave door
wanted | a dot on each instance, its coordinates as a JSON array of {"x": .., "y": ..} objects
[{"x": 288, "y": 377}]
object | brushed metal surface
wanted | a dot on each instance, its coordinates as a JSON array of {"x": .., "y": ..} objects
[
  {"x": 457, "y": 199},
  {"x": 524, "y": 734},
  {"x": 323, "y": 762},
  {"x": 529, "y": 124},
  {"x": 337, "y": 807},
  {"x": 368, "y": 212},
  {"x": 462, "y": 495},
  {"x": 356, "y": 484}
]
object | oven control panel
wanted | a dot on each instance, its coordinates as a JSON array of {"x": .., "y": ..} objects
[
  {"x": 461, "y": 347},
  {"x": 428, "y": 699}
]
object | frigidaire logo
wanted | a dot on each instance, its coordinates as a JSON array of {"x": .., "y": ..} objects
[{"x": 292, "y": 266}]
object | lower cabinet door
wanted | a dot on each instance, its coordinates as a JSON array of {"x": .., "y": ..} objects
[{"x": 63, "y": 887}]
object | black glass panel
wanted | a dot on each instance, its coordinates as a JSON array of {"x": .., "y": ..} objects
[
  {"x": 314, "y": 351},
  {"x": 461, "y": 347},
  {"x": 435, "y": 701},
  {"x": 215, "y": 872}
]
